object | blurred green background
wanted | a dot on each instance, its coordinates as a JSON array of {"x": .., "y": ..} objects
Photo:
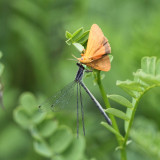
[{"x": 35, "y": 55}]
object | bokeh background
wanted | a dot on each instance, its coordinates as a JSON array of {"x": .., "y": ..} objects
[{"x": 35, "y": 55}]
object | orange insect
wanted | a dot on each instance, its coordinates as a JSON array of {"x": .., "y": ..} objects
[{"x": 98, "y": 48}]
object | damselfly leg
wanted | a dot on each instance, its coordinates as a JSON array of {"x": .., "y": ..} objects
[{"x": 82, "y": 111}]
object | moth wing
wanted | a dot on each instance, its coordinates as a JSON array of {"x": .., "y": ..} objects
[
  {"x": 95, "y": 40},
  {"x": 105, "y": 49},
  {"x": 102, "y": 64}
]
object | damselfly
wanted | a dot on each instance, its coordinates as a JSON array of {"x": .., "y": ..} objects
[{"x": 58, "y": 99}]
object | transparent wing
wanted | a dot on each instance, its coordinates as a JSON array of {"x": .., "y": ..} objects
[{"x": 59, "y": 100}]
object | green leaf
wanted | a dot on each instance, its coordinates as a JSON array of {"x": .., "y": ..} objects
[
  {"x": 21, "y": 117},
  {"x": 138, "y": 80},
  {"x": 69, "y": 41},
  {"x": 37, "y": 116},
  {"x": 152, "y": 68},
  {"x": 35, "y": 134},
  {"x": 145, "y": 64},
  {"x": 148, "y": 65},
  {"x": 79, "y": 47},
  {"x": 68, "y": 35},
  {"x": 147, "y": 78},
  {"x": 78, "y": 38},
  {"x": 158, "y": 68},
  {"x": 77, "y": 33},
  {"x": 121, "y": 100},
  {"x": 47, "y": 128},
  {"x": 117, "y": 113},
  {"x": 112, "y": 129},
  {"x": 83, "y": 38},
  {"x": 62, "y": 136},
  {"x": 130, "y": 87},
  {"x": 28, "y": 101},
  {"x": 42, "y": 148},
  {"x": 75, "y": 150}
]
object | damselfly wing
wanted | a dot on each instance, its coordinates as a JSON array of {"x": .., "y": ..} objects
[{"x": 62, "y": 97}]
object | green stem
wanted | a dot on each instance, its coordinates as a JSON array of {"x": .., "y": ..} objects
[
  {"x": 105, "y": 99},
  {"x": 107, "y": 104},
  {"x": 130, "y": 122},
  {"x": 123, "y": 153}
]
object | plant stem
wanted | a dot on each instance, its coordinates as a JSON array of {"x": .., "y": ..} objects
[
  {"x": 105, "y": 99},
  {"x": 131, "y": 121},
  {"x": 123, "y": 153},
  {"x": 114, "y": 123}
]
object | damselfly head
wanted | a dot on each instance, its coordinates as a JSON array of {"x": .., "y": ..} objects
[{"x": 80, "y": 65}]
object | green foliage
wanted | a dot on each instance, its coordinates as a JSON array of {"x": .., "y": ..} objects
[
  {"x": 79, "y": 36},
  {"x": 121, "y": 100},
  {"x": 35, "y": 57},
  {"x": 111, "y": 129},
  {"x": 117, "y": 113},
  {"x": 144, "y": 79},
  {"x": 145, "y": 134},
  {"x": 78, "y": 39},
  {"x": 50, "y": 139}
]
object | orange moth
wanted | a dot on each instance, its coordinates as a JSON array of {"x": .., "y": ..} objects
[{"x": 98, "y": 48}]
